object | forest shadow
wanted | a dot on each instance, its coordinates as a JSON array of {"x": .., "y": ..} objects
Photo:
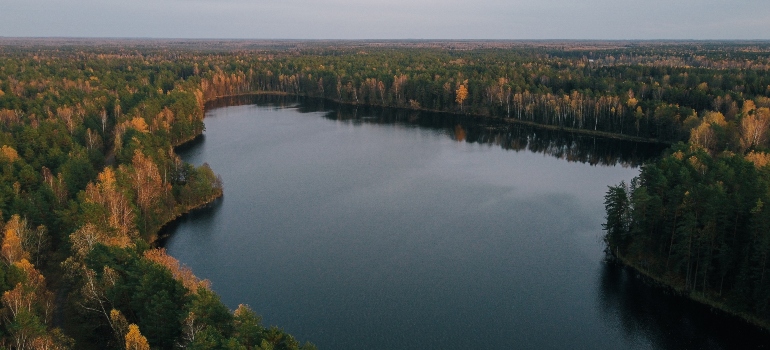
[{"x": 669, "y": 321}]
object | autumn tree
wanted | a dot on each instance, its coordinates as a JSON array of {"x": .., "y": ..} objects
[
  {"x": 119, "y": 212},
  {"x": 27, "y": 307},
  {"x": 180, "y": 272},
  {"x": 135, "y": 340},
  {"x": 12, "y": 250},
  {"x": 119, "y": 324},
  {"x": 704, "y": 135},
  {"x": 462, "y": 95},
  {"x": 398, "y": 85},
  {"x": 147, "y": 184},
  {"x": 9, "y": 153},
  {"x": 754, "y": 127}
]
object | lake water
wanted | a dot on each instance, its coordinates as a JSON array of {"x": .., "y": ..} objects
[{"x": 384, "y": 229}]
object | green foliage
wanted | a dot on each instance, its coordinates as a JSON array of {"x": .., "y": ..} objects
[
  {"x": 699, "y": 222},
  {"x": 617, "y": 205},
  {"x": 69, "y": 111},
  {"x": 210, "y": 311}
]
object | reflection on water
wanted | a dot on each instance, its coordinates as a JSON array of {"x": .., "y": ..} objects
[
  {"x": 573, "y": 147},
  {"x": 198, "y": 216},
  {"x": 670, "y": 321},
  {"x": 360, "y": 228}
]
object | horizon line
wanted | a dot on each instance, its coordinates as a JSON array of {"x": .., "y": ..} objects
[{"x": 367, "y": 39}]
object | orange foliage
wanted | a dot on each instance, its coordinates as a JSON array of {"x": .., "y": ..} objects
[
  {"x": 9, "y": 153},
  {"x": 180, "y": 272},
  {"x": 135, "y": 340},
  {"x": 139, "y": 124},
  {"x": 459, "y": 133},
  {"x": 12, "y": 250}
]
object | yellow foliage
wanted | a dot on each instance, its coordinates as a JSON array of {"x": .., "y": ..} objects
[
  {"x": 84, "y": 239},
  {"x": 462, "y": 94},
  {"x": 57, "y": 341},
  {"x": 163, "y": 120},
  {"x": 88, "y": 235},
  {"x": 146, "y": 181},
  {"x": 242, "y": 310},
  {"x": 119, "y": 213},
  {"x": 107, "y": 177},
  {"x": 715, "y": 118},
  {"x": 760, "y": 159},
  {"x": 697, "y": 164},
  {"x": 703, "y": 135},
  {"x": 762, "y": 101},
  {"x": 35, "y": 279},
  {"x": 119, "y": 323},
  {"x": 9, "y": 153},
  {"x": 18, "y": 299},
  {"x": 754, "y": 127},
  {"x": 135, "y": 340},
  {"x": 748, "y": 107}
]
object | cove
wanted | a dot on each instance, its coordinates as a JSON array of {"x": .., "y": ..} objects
[{"x": 358, "y": 228}]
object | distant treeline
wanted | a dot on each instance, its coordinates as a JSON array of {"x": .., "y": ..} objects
[
  {"x": 514, "y": 136},
  {"x": 655, "y": 93}
]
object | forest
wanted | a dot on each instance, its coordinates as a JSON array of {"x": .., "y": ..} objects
[
  {"x": 88, "y": 130},
  {"x": 697, "y": 221}
]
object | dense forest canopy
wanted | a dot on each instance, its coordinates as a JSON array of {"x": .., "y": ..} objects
[{"x": 89, "y": 173}]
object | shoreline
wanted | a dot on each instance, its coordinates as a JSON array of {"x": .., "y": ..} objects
[
  {"x": 714, "y": 306},
  {"x": 161, "y": 236},
  {"x": 155, "y": 237},
  {"x": 587, "y": 132}
]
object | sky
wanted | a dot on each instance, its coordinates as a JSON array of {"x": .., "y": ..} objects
[{"x": 388, "y": 19}]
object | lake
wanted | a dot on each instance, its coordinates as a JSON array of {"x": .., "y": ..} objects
[{"x": 366, "y": 228}]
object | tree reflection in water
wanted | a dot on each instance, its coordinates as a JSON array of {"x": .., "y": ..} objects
[
  {"x": 573, "y": 147},
  {"x": 669, "y": 321}
]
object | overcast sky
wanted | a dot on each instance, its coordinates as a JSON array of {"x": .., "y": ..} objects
[{"x": 389, "y": 19}]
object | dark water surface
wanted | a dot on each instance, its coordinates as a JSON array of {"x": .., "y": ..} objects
[{"x": 383, "y": 229}]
